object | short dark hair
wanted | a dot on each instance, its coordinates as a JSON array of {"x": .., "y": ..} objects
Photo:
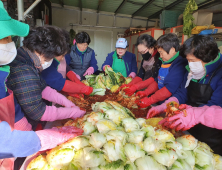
[
  {"x": 47, "y": 41},
  {"x": 67, "y": 37},
  {"x": 82, "y": 37},
  {"x": 146, "y": 40},
  {"x": 167, "y": 42},
  {"x": 202, "y": 47}
]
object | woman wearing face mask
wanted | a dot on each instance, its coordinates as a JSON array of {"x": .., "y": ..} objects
[
  {"x": 83, "y": 61},
  {"x": 172, "y": 68},
  {"x": 201, "y": 87},
  {"x": 16, "y": 138},
  {"x": 55, "y": 75},
  {"x": 121, "y": 60},
  {"x": 150, "y": 63},
  {"x": 40, "y": 47}
]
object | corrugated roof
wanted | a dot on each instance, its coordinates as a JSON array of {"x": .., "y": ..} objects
[{"x": 130, "y": 6}]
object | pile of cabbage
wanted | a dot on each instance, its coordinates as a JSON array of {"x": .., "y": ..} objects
[
  {"x": 111, "y": 81},
  {"x": 114, "y": 140}
]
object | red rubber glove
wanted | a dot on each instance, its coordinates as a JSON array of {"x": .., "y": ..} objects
[
  {"x": 72, "y": 76},
  {"x": 135, "y": 80},
  {"x": 72, "y": 87},
  {"x": 152, "y": 88},
  {"x": 50, "y": 138},
  {"x": 138, "y": 86},
  {"x": 160, "y": 95}
]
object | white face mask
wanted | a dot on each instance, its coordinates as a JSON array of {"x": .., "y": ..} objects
[
  {"x": 197, "y": 71},
  {"x": 8, "y": 53},
  {"x": 47, "y": 64}
]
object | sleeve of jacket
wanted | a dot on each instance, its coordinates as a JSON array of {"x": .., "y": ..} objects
[
  {"x": 68, "y": 58},
  {"x": 134, "y": 64},
  {"x": 17, "y": 143},
  {"x": 181, "y": 93},
  {"x": 27, "y": 89},
  {"x": 216, "y": 98},
  {"x": 108, "y": 61},
  {"x": 53, "y": 78},
  {"x": 141, "y": 71},
  {"x": 93, "y": 62},
  {"x": 176, "y": 75}
]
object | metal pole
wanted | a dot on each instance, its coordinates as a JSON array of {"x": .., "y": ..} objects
[
  {"x": 20, "y": 6},
  {"x": 31, "y": 7}
]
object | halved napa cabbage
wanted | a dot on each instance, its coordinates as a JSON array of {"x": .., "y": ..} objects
[
  {"x": 141, "y": 122},
  {"x": 76, "y": 143},
  {"x": 190, "y": 158},
  {"x": 163, "y": 135},
  {"x": 59, "y": 157},
  {"x": 178, "y": 148},
  {"x": 149, "y": 130},
  {"x": 181, "y": 164},
  {"x": 130, "y": 124},
  {"x": 218, "y": 162},
  {"x": 136, "y": 136},
  {"x": 94, "y": 117},
  {"x": 204, "y": 155},
  {"x": 115, "y": 115},
  {"x": 97, "y": 140},
  {"x": 117, "y": 135},
  {"x": 133, "y": 151},
  {"x": 114, "y": 151},
  {"x": 101, "y": 107},
  {"x": 188, "y": 141},
  {"x": 88, "y": 128},
  {"x": 39, "y": 162},
  {"x": 147, "y": 162},
  {"x": 105, "y": 126},
  {"x": 121, "y": 109},
  {"x": 88, "y": 157},
  {"x": 151, "y": 145},
  {"x": 166, "y": 157}
]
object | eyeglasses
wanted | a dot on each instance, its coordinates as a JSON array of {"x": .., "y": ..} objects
[{"x": 143, "y": 52}]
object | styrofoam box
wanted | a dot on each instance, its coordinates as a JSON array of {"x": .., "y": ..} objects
[{"x": 203, "y": 18}]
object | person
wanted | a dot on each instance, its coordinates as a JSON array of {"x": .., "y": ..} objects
[
  {"x": 40, "y": 47},
  {"x": 150, "y": 63},
  {"x": 14, "y": 141},
  {"x": 172, "y": 68},
  {"x": 121, "y": 60},
  {"x": 202, "y": 86},
  {"x": 83, "y": 61},
  {"x": 55, "y": 75}
]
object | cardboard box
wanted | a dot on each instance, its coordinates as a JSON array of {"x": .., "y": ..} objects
[
  {"x": 203, "y": 18},
  {"x": 167, "y": 30}
]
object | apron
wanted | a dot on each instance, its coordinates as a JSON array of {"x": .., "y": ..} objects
[
  {"x": 119, "y": 65},
  {"x": 163, "y": 72},
  {"x": 7, "y": 113},
  {"x": 62, "y": 68},
  {"x": 199, "y": 94}
]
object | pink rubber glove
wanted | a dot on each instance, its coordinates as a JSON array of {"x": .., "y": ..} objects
[
  {"x": 132, "y": 74},
  {"x": 23, "y": 125},
  {"x": 53, "y": 96},
  {"x": 89, "y": 71},
  {"x": 160, "y": 109},
  {"x": 105, "y": 67},
  {"x": 53, "y": 113},
  {"x": 208, "y": 116},
  {"x": 50, "y": 138}
]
